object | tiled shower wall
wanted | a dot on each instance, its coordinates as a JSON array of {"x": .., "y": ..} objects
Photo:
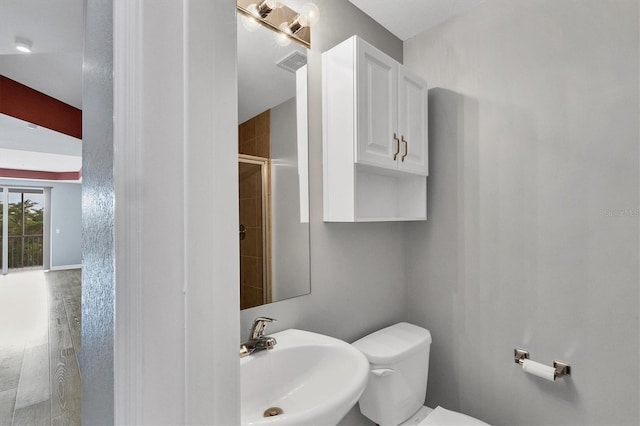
[{"x": 254, "y": 136}]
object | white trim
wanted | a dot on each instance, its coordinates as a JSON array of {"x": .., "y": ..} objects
[
  {"x": 302, "y": 129},
  {"x": 127, "y": 114},
  {"x": 46, "y": 231},
  {"x": 211, "y": 244},
  {"x": 5, "y": 230},
  {"x": 64, "y": 267}
]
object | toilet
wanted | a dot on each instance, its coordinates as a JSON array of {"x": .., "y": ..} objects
[{"x": 399, "y": 366}]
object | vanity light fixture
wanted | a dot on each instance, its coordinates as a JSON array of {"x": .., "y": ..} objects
[
  {"x": 286, "y": 22},
  {"x": 311, "y": 12},
  {"x": 23, "y": 45},
  {"x": 288, "y": 29},
  {"x": 283, "y": 38},
  {"x": 250, "y": 20}
]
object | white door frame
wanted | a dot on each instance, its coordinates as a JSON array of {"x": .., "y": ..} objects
[
  {"x": 46, "y": 230},
  {"x": 186, "y": 50},
  {"x": 5, "y": 230}
]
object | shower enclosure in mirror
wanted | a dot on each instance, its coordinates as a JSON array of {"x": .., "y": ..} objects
[{"x": 272, "y": 167}]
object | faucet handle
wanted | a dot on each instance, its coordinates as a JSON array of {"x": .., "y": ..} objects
[{"x": 259, "y": 324}]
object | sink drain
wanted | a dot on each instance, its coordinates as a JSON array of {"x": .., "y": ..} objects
[{"x": 273, "y": 411}]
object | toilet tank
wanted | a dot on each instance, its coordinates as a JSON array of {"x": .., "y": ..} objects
[{"x": 399, "y": 366}]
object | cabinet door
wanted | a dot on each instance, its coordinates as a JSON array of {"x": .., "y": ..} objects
[
  {"x": 376, "y": 107},
  {"x": 412, "y": 122}
]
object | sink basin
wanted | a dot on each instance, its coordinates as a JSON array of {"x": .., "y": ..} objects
[{"x": 306, "y": 379}]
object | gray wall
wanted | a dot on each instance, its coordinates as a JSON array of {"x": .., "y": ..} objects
[
  {"x": 289, "y": 237},
  {"x": 98, "y": 279},
  {"x": 357, "y": 270},
  {"x": 66, "y": 216},
  {"x": 532, "y": 237}
]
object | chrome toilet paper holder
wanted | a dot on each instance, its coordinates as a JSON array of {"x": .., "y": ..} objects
[{"x": 562, "y": 368}]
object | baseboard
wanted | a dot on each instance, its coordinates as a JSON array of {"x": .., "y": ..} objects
[{"x": 65, "y": 267}]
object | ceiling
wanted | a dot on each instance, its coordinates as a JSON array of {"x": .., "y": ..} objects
[
  {"x": 408, "y": 18},
  {"x": 261, "y": 83},
  {"x": 56, "y": 29}
]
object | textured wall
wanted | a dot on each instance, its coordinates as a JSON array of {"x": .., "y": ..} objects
[
  {"x": 532, "y": 237},
  {"x": 98, "y": 283}
]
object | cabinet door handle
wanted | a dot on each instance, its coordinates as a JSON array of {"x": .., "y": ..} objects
[
  {"x": 397, "y": 147},
  {"x": 406, "y": 148}
]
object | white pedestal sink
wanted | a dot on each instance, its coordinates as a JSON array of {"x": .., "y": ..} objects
[{"x": 306, "y": 379}]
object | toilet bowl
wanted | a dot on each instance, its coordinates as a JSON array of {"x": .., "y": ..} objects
[{"x": 399, "y": 366}]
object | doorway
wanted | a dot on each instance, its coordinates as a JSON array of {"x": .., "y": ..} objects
[
  {"x": 255, "y": 230},
  {"x": 22, "y": 217}
]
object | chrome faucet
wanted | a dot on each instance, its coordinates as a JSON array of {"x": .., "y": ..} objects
[{"x": 258, "y": 341}]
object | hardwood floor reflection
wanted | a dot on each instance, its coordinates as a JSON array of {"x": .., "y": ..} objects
[{"x": 40, "y": 333}]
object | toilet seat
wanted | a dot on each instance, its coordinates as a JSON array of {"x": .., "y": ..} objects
[
  {"x": 426, "y": 416},
  {"x": 443, "y": 417}
]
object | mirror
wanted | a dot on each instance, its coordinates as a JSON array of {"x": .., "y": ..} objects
[{"x": 272, "y": 167}]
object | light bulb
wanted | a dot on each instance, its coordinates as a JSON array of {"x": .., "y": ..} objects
[
  {"x": 311, "y": 12},
  {"x": 253, "y": 9},
  {"x": 303, "y": 20},
  {"x": 284, "y": 27},
  {"x": 283, "y": 38},
  {"x": 249, "y": 22}
]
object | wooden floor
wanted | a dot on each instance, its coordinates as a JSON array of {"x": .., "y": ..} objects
[{"x": 39, "y": 342}]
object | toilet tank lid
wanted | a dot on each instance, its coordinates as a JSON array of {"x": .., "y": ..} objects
[{"x": 392, "y": 343}]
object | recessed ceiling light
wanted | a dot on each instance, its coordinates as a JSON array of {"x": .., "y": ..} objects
[
  {"x": 31, "y": 126},
  {"x": 23, "y": 45}
]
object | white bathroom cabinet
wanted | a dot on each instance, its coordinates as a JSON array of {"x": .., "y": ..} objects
[{"x": 375, "y": 143}]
